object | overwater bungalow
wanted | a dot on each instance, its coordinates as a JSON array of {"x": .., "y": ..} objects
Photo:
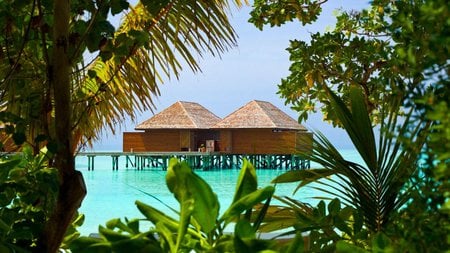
[
  {"x": 183, "y": 126},
  {"x": 258, "y": 127}
]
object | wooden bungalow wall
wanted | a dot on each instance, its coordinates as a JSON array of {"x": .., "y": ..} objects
[
  {"x": 237, "y": 141},
  {"x": 153, "y": 141},
  {"x": 304, "y": 142},
  {"x": 264, "y": 141},
  {"x": 167, "y": 140}
]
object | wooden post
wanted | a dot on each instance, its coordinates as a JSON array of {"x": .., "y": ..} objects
[{"x": 90, "y": 162}]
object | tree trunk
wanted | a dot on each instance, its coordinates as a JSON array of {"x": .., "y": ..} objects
[{"x": 72, "y": 188}]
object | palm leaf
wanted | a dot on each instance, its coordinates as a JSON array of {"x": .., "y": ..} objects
[
  {"x": 125, "y": 85},
  {"x": 375, "y": 188}
]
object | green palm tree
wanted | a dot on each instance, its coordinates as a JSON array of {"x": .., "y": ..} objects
[{"x": 380, "y": 186}]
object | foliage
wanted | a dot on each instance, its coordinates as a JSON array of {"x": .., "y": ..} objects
[
  {"x": 72, "y": 232},
  {"x": 378, "y": 188},
  {"x": 66, "y": 72},
  {"x": 198, "y": 227},
  {"x": 374, "y": 48},
  {"x": 394, "y": 51},
  {"x": 28, "y": 190},
  {"x": 278, "y": 13},
  {"x": 155, "y": 39},
  {"x": 323, "y": 226}
]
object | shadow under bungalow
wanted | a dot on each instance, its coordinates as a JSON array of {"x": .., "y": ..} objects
[{"x": 258, "y": 131}]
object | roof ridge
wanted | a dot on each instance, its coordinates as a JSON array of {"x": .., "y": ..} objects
[
  {"x": 187, "y": 112},
  {"x": 265, "y": 112}
]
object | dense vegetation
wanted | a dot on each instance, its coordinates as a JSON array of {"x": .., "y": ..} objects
[
  {"x": 397, "y": 54},
  {"x": 66, "y": 73},
  {"x": 384, "y": 69}
]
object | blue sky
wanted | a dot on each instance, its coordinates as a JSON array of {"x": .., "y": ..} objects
[{"x": 251, "y": 71}]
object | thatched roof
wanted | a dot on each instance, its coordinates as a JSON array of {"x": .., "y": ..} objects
[
  {"x": 259, "y": 114},
  {"x": 181, "y": 115}
]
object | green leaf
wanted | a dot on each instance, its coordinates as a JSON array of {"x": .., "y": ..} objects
[
  {"x": 154, "y": 7},
  {"x": 297, "y": 245},
  {"x": 357, "y": 124},
  {"x": 117, "y": 6},
  {"x": 334, "y": 207},
  {"x": 167, "y": 235},
  {"x": 134, "y": 226},
  {"x": 381, "y": 243},
  {"x": 139, "y": 37},
  {"x": 90, "y": 245},
  {"x": 304, "y": 176},
  {"x": 6, "y": 166},
  {"x": 206, "y": 203},
  {"x": 112, "y": 235},
  {"x": 247, "y": 202},
  {"x": 17, "y": 174},
  {"x": 194, "y": 193},
  {"x": 155, "y": 216},
  {"x": 100, "y": 32},
  {"x": 136, "y": 245},
  {"x": 247, "y": 181},
  {"x": 243, "y": 229},
  {"x": 92, "y": 73},
  {"x": 345, "y": 247}
]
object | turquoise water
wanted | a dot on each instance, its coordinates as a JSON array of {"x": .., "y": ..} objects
[{"x": 111, "y": 194}]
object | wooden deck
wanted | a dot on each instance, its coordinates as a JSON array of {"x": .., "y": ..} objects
[{"x": 199, "y": 160}]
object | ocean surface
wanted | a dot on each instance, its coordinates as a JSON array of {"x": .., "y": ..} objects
[{"x": 112, "y": 194}]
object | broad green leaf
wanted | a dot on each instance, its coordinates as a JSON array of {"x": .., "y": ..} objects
[
  {"x": 187, "y": 207},
  {"x": 167, "y": 234},
  {"x": 155, "y": 216},
  {"x": 247, "y": 181},
  {"x": 194, "y": 194},
  {"x": 176, "y": 179},
  {"x": 247, "y": 202},
  {"x": 6, "y": 166},
  {"x": 112, "y": 235},
  {"x": 117, "y": 223},
  {"x": 206, "y": 203},
  {"x": 17, "y": 173},
  {"x": 243, "y": 229},
  {"x": 111, "y": 224}
]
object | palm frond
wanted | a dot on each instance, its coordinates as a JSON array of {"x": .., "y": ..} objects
[
  {"x": 376, "y": 188},
  {"x": 124, "y": 85}
]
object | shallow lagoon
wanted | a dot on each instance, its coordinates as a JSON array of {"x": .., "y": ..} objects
[{"x": 111, "y": 194}]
